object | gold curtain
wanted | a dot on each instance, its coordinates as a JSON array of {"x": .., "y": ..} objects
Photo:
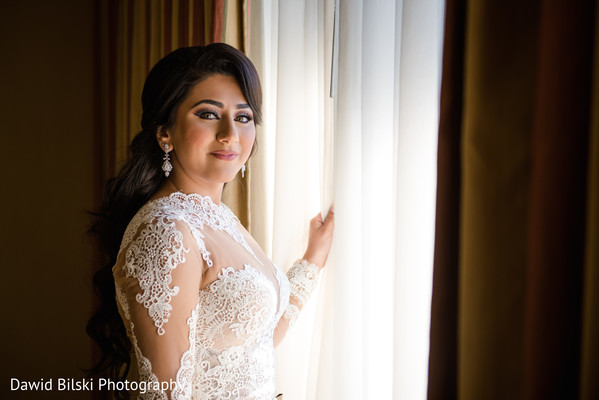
[
  {"x": 515, "y": 308},
  {"x": 133, "y": 36},
  {"x": 590, "y": 328}
]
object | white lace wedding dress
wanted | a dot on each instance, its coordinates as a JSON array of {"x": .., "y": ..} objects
[{"x": 202, "y": 304}]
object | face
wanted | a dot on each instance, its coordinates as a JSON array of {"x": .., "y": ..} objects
[{"x": 213, "y": 133}]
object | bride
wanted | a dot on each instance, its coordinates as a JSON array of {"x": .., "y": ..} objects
[{"x": 186, "y": 290}]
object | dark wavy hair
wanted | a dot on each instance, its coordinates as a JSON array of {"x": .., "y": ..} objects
[{"x": 166, "y": 87}]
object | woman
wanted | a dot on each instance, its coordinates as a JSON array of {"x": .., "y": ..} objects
[{"x": 197, "y": 301}]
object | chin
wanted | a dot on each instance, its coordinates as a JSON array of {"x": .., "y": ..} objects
[{"x": 224, "y": 178}]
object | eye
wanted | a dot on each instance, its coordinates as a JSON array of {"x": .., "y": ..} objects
[
  {"x": 207, "y": 114},
  {"x": 243, "y": 118}
]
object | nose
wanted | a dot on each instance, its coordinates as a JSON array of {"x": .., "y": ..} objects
[{"x": 227, "y": 132}]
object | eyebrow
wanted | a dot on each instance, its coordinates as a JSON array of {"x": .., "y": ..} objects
[{"x": 218, "y": 104}]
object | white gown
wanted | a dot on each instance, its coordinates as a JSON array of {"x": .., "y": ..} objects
[{"x": 202, "y": 304}]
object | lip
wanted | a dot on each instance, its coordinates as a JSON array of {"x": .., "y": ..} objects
[{"x": 225, "y": 155}]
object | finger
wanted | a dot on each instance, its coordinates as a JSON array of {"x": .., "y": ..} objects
[
  {"x": 331, "y": 211},
  {"x": 315, "y": 225},
  {"x": 330, "y": 216},
  {"x": 329, "y": 223},
  {"x": 317, "y": 220}
]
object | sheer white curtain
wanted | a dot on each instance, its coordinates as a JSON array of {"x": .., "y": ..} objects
[
  {"x": 364, "y": 335},
  {"x": 291, "y": 45}
]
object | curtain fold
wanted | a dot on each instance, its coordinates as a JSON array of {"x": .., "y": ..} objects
[
  {"x": 385, "y": 172},
  {"x": 442, "y": 373},
  {"x": 515, "y": 188},
  {"x": 419, "y": 26},
  {"x": 499, "y": 60},
  {"x": 590, "y": 325},
  {"x": 368, "y": 336},
  {"x": 558, "y": 183},
  {"x": 290, "y": 44}
]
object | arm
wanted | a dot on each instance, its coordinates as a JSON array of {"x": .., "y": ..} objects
[
  {"x": 158, "y": 277},
  {"x": 303, "y": 275}
]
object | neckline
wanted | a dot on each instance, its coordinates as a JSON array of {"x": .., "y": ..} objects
[
  {"x": 188, "y": 196},
  {"x": 198, "y": 210}
]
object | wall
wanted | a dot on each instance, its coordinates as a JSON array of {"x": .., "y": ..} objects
[{"x": 47, "y": 124}]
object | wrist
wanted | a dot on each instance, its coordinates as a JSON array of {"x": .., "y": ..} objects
[
  {"x": 303, "y": 277},
  {"x": 314, "y": 258}
]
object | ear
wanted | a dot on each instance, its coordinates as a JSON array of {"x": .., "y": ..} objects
[{"x": 163, "y": 137}]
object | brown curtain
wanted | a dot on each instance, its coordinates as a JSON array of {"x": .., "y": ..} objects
[
  {"x": 515, "y": 311},
  {"x": 133, "y": 36}
]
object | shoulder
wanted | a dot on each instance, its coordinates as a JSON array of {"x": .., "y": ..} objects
[
  {"x": 178, "y": 221},
  {"x": 170, "y": 230},
  {"x": 158, "y": 234},
  {"x": 163, "y": 213}
]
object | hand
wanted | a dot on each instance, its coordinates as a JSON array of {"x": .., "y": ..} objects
[{"x": 320, "y": 237}]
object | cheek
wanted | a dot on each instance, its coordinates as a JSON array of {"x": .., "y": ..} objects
[
  {"x": 248, "y": 140},
  {"x": 199, "y": 138}
]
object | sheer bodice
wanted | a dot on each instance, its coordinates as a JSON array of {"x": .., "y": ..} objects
[{"x": 201, "y": 302}]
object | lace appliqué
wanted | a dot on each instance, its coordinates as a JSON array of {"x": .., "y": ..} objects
[
  {"x": 151, "y": 258},
  {"x": 237, "y": 319},
  {"x": 291, "y": 313},
  {"x": 184, "y": 388},
  {"x": 184, "y": 380},
  {"x": 144, "y": 365},
  {"x": 303, "y": 278},
  {"x": 199, "y": 211},
  {"x": 159, "y": 247},
  {"x": 236, "y": 302}
]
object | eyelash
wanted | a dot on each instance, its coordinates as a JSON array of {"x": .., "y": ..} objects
[{"x": 203, "y": 113}]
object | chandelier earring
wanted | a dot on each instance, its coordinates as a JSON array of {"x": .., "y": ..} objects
[
  {"x": 243, "y": 171},
  {"x": 167, "y": 167}
]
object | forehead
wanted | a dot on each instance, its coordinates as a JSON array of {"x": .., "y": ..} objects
[{"x": 222, "y": 88}]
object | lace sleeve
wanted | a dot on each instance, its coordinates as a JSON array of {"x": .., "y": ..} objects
[
  {"x": 303, "y": 278},
  {"x": 157, "y": 280}
]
